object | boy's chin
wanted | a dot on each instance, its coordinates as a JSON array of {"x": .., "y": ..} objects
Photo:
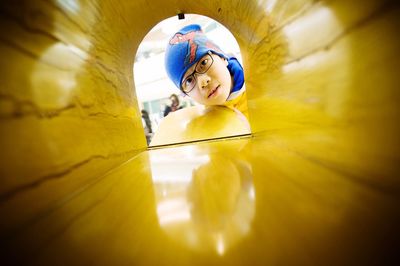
[{"x": 220, "y": 100}]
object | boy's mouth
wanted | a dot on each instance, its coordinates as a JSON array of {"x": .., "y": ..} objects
[{"x": 213, "y": 91}]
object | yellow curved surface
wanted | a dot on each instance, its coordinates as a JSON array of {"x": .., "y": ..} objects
[
  {"x": 317, "y": 182},
  {"x": 200, "y": 123}
]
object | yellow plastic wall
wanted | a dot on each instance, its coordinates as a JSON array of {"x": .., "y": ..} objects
[{"x": 321, "y": 76}]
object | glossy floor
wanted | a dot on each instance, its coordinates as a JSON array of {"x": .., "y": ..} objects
[{"x": 245, "y": 201}]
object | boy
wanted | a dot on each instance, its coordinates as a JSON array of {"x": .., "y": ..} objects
[{"x": 202, "y": 71}]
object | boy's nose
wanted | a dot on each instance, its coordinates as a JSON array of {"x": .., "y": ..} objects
[{"x": 203, "y": 80}]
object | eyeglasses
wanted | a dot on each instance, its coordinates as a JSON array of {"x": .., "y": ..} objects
[{"x": 202, "y": 66}]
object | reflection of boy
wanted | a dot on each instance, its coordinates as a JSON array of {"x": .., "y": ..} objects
[
  {"x": 202, "y": 71},
  {"x": 214, "y": 193},
  {"x": 220, "y": 196}
]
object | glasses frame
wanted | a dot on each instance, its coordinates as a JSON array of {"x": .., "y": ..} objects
[{"x": 195, "y": 71}]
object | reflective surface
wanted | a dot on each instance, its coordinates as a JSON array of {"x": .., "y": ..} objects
[
  {"x": 200, "y": 123},
  {"x": 205, "y": 198},
  {"x": 233, "y": 202}
]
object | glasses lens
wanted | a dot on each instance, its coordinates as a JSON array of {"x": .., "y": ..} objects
[
  {"x": 189, "y": 83},
  {"x": 201, "y": 67},
  {"x": 204, "y": 64}
]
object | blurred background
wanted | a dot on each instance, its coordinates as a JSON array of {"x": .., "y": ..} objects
[{"x": 154, "y": 90}]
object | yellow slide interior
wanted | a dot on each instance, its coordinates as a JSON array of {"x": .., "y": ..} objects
[{"x": 316, "y": 183}]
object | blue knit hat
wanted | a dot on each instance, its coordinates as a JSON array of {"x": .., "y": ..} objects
[{"x": 184, "y": 49}]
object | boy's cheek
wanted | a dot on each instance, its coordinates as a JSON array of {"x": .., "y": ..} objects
[{"x": 197, "y": 97}]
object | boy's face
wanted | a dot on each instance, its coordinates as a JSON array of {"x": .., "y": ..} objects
[{"x": 212, "y": 87}]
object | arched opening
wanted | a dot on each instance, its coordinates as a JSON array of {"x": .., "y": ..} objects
[{"x": 155, "y": 91}]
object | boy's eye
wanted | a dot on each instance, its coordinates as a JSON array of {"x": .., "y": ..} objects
[
  {"x": 189, "y": 80},
  {"x": 203, "y": 63}
]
